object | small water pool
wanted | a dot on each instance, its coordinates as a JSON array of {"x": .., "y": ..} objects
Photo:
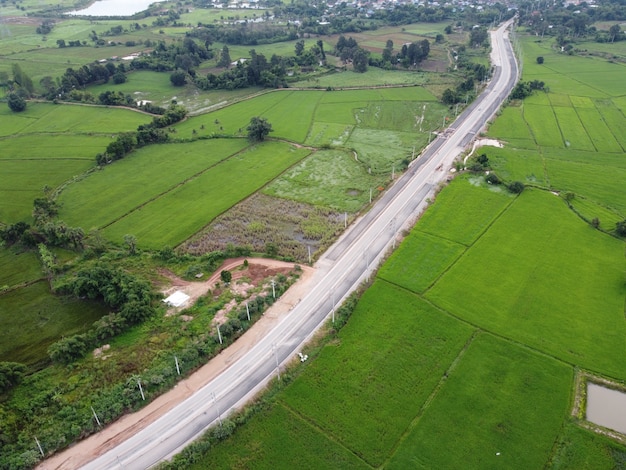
[{"x": 606, "y": 407}]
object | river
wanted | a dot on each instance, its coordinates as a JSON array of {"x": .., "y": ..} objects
[{"x": 114, "y": 8}]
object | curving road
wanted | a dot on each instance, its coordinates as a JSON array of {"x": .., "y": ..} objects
[{"x": 340, "y": 271}]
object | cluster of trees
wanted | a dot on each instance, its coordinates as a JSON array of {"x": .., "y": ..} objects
[
  {"x": 77, "y": 79},
  {"x": 254, "y": 71},
  {"x": 19, "y": 88},
  {"x": 184, "y": 55},
  {"x": 45, "y": 229},
  {"x": 146, "y": 134},
  {"x": 130, "y": 298},
  {"x": 462, "y": 92},
  {"x": 349, "y": 51},
  {"x": 569, "y": 22},
  {"x": 45, "y": 27},
  {"x": 523, "y": 89}
]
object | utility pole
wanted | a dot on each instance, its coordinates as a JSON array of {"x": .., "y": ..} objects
[
  {"x": 96, "y": 416},
  {"x": 309, "y": 247},
  {"x": 332, "y": 301},
  {"x": 143, "y": 397},
  {"x": 177, "y": 366},
  {"x": 370, "y": 195},
  {"x": 219, "y": 334},
  {"x": 248, "y": 311},
  {"x": 39, "y": 445},
  {"x": 273, "y": 289}
]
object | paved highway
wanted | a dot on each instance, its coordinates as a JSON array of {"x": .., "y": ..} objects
[{"x": 340, "y": 271}]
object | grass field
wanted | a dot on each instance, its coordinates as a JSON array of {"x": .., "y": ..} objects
[
  {"x": 192, "y": 205},
  {"x": 18, "y": 267},
  {"x": 542, "y": 277},
  {"x": 385, "y": 380},
  {"x": 48, "y": 145},
  {"x": 32, "y": 319},
  {"x": 476, "y": 420},
  {"x": 328, "y": 178}
]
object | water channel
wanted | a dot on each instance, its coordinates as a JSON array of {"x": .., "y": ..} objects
[
  {"x": 606, "y": 407},
  {"x": 114, "y": 8}
]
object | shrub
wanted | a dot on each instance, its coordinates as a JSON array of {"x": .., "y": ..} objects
[{"x": 516, "y": 187}]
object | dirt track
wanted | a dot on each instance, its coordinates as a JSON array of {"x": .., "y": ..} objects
[{"x": 116, "y": 432}]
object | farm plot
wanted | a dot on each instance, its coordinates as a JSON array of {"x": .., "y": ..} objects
[
  {"x": 288, "y": 442},
  {"x": 464, "y": 210},
  {"x": 601, "y": 136},
  {"x": 234, "y": 119},
  {"x": 593, "y": 180},
  {"x": 85, "y": 119},
  {"x": 32, "y": 319},
  {"x": 419, "y": 261},
  {"x": 572, "y": 129},
  {"x": 22, "y": 181},
  {"x": 580, "y": 448},
  {"x": 259, "y": 220},
  {"x": 179, "y": 213},
  {"x": 540, "y": 276},
  {"x": 117, "y": 189},
  {"x": 364, "y": 390},
  {"x": 543, "y": 125},
  {"x": 614, "y": 119},
  {"x": 18, "y": 267},
  {"x": 329, "y": 178},
  {"x": 382, "y": 150},
  {"x": 511, "y": 125},
  {"x": 512, "y": 164},
  {"x": 328, "y": 133},
  {"x": 502, "y": 406}
]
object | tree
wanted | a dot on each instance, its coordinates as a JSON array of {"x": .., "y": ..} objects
[
  {"x": 299, "y": 48},
  {"x": 119, "y": 77},
  {"x": 614, "y": 31},
  {"x": 131, "y": 243},
  {"x": 449, "y": 96},
  {"x": 448, "y": 29},
  {"x": 620, "y": 228},
  {"x": 10, "y": 374},
  {"x": 226, "y": 276},
  {"x": 224, "y": 57},
  {"x": 178, "y": 78},
  {"x": 360, "y": 60},
  {"x": 258, "y": 129},
  {"x": 540, "y": 60},
  {"x": 516, "y": 187},
  {"x": 16, "y": 102}
]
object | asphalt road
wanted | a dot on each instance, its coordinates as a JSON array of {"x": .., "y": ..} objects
[{"x": 340, "y": 271}]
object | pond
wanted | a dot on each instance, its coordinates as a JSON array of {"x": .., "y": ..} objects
[
  {"x": 606, "y": 407},
  {"x": 114, "y": 8}
]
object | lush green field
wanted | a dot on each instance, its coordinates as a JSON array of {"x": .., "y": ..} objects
[
  {"x": 464, "y": 211},
  {"x": 386, "y": 376},
  {"x": 542, "y": 277},
  {"x": 328, "y": 178},
  {"x": 31, "y": 319},
  {"x": 18, "y": 267},
  {"x": 580, "y": 448},
  {"x": 164, "y": 201},
  {"x": 143, "y": 176},
  {"x": 48, "y": 145},
  {"x": 172, "y": 217},
  {"x": 419, "y": 261},
  {"x": 502, "y": 406}
]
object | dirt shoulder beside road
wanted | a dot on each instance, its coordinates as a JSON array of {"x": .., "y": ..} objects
[{"x": 86, "y": 450}]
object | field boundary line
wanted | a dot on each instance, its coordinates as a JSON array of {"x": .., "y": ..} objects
[
  {"x": 312, "y": 424},
  {"x": 530, "y": 129},
  {"x": 172, "y": 188},
  {"x": 467, "y": 247},
  {"x": 433, "y": 394},
  {"x": 488, "y": 331},
  {"x": 313, "y": 151}
]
